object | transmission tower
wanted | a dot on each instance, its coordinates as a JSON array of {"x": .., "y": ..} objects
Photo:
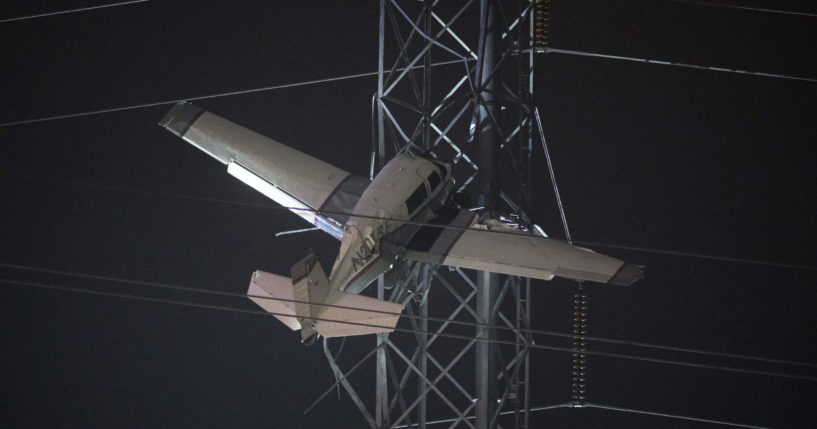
[{"x": 456, "y": 82}]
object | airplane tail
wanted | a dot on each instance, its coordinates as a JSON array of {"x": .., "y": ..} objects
[
  {"x": 358, "y": 315},
  {"x": 304, "y": 302}
]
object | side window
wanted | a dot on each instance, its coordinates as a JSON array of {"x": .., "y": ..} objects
[
  {"x": 417, "y": 197},
  {"x": 434, "y": 180}
]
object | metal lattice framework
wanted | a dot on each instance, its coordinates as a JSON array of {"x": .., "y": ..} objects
[{"x": 467, "y": 113}]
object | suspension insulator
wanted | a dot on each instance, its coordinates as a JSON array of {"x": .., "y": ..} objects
[
  {"x": 580, "y": 327},
  {"x": 541, "y": 24}
]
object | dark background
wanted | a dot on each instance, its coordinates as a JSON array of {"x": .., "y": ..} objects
[{"x": 646, "y": 155}]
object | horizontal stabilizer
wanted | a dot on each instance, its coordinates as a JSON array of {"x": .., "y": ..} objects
[
  {"x": 357, "y": 315},
  {"x": 274, "y": 294}
]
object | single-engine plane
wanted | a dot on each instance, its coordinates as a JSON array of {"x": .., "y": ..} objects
[{"x": 401, "y": 215}]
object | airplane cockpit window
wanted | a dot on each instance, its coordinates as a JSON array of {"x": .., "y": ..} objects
[
  {"x": 434, "y": 180},
  {"x": 416, "y": 198}
]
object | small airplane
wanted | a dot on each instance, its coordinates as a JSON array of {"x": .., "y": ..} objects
[{"x": 398, "y": 216}]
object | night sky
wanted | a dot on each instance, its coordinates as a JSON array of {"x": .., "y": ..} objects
[{"x": 645, "y": 155}]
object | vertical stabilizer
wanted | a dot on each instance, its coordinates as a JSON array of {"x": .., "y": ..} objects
[
  {"x": 310, "y": 288},
  {"x": 273, "y": 293}
]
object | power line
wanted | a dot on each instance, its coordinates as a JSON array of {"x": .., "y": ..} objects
[
  {"x": 413, "y": 223},
  {"x": 62, "y": 12},
  {"x": 504, "y": 413},
  {"x": 698, "y": 255},
  {"x": 221, "y": 94},
  {"x": 407, "y": 316},
  {"x": 604, "y": 407},
  {"x": 669, "y": 63},
  {"x": 552, "y": 175},
  {"x": 415, "y": 331},
  {"x": 734, "y": 6},
  {"x": 366, "y": 74},
  {"x": 154, "y": 193},
  {"x": 672, "y": 416}
]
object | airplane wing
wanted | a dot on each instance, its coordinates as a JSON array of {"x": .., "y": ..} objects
[
  {"x": 501, "y": 249},
  {"x": 314, "y": 190}
]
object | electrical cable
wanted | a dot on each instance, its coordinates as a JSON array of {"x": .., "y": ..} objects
[
  {"x": 413, "y": 331},
  {"x": 217, "y": 95},
  {"x": 697, "y": 255},
  {"x": 366, "y": 74},
  {"x": 549, "y": 50},
  {"x": 752, "y": 8},
  {"x": 672, "y": 416},
  {"x": 504, "y": 413},
  {"x": 552, "y": 175},
  {"x": 413, "y": 223},
  {"x": 605, "y": 407},
  {"x": 62, "y": 12},
  {"x": 405, "y": 316}
]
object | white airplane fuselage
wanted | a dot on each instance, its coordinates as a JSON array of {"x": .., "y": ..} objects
[{"x": 408, "y": 188}]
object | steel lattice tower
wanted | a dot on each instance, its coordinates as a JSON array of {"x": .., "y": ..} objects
[{"x": 456, "y": 81}]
